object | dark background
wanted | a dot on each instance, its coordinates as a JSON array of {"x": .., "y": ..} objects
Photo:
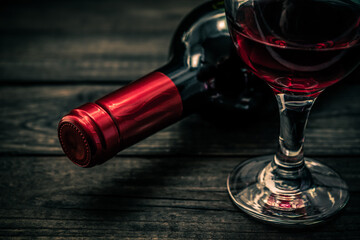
[{"x": 57, "y": 55}]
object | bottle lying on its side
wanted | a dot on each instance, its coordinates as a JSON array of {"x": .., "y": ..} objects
[{"x": 203, "y": 71}]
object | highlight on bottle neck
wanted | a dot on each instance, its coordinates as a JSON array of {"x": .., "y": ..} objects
[{"x": 95, "y": 132}]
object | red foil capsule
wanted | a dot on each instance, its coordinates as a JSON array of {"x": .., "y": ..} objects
[{"x": 95, "y": 132}]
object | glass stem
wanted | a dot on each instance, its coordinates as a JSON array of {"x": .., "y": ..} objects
[{"x": 294, "y": 112}]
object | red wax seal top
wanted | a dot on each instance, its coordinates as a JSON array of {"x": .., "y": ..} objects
[{"x": 95, "y": 132}]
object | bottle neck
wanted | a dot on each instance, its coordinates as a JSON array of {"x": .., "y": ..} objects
[
  {"x": 223, "y": 88},
  {"x": 194, "y": 89}
]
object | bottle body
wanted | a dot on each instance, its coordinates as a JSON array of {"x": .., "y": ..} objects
[{"x": 202, "y": 63}]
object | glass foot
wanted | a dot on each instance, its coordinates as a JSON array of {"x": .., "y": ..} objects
[{"x": 271, "y": 194}]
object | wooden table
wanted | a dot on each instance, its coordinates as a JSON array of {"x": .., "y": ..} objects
[{"x": 56, "y": 55}]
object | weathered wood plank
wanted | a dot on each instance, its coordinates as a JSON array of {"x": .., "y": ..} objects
[
  {"x": 92, "y": 41},
  {"x": 164, "y": 187},
  {"x": 80, "y": 59},
  {"x": 29, "y": 117},
  {"x": 173, "y": 231},
  {"x": 85, "y": 41},
  {"x": 136, "y": 234},
  {"x": 93, "y": 17},
  {"x": 183, "y": 198}
]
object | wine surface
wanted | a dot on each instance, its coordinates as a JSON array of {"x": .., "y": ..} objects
[{"x": 297, "y": 47}]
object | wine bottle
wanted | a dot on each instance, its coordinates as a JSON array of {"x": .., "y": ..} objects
[{"x": 203, "y": 72}]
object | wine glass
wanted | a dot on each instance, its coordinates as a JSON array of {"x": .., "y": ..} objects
[{"x": 299, "y": 48}]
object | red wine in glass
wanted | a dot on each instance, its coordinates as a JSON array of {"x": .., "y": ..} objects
[
  {"x": 299, "y": 47},
  {"x": 293, "y": 54}
]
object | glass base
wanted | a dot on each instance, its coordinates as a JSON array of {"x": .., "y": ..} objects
[{"x": 303, "y": 197}]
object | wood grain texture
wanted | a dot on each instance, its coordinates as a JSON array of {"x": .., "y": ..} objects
[
  {"x": 31, "y": 115},
  {"x": 86, "y": 41},
  {"x": 168, "y": 197},
  {"x": 77, "y": 41},
  {"x": 57, "y": 55}
]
